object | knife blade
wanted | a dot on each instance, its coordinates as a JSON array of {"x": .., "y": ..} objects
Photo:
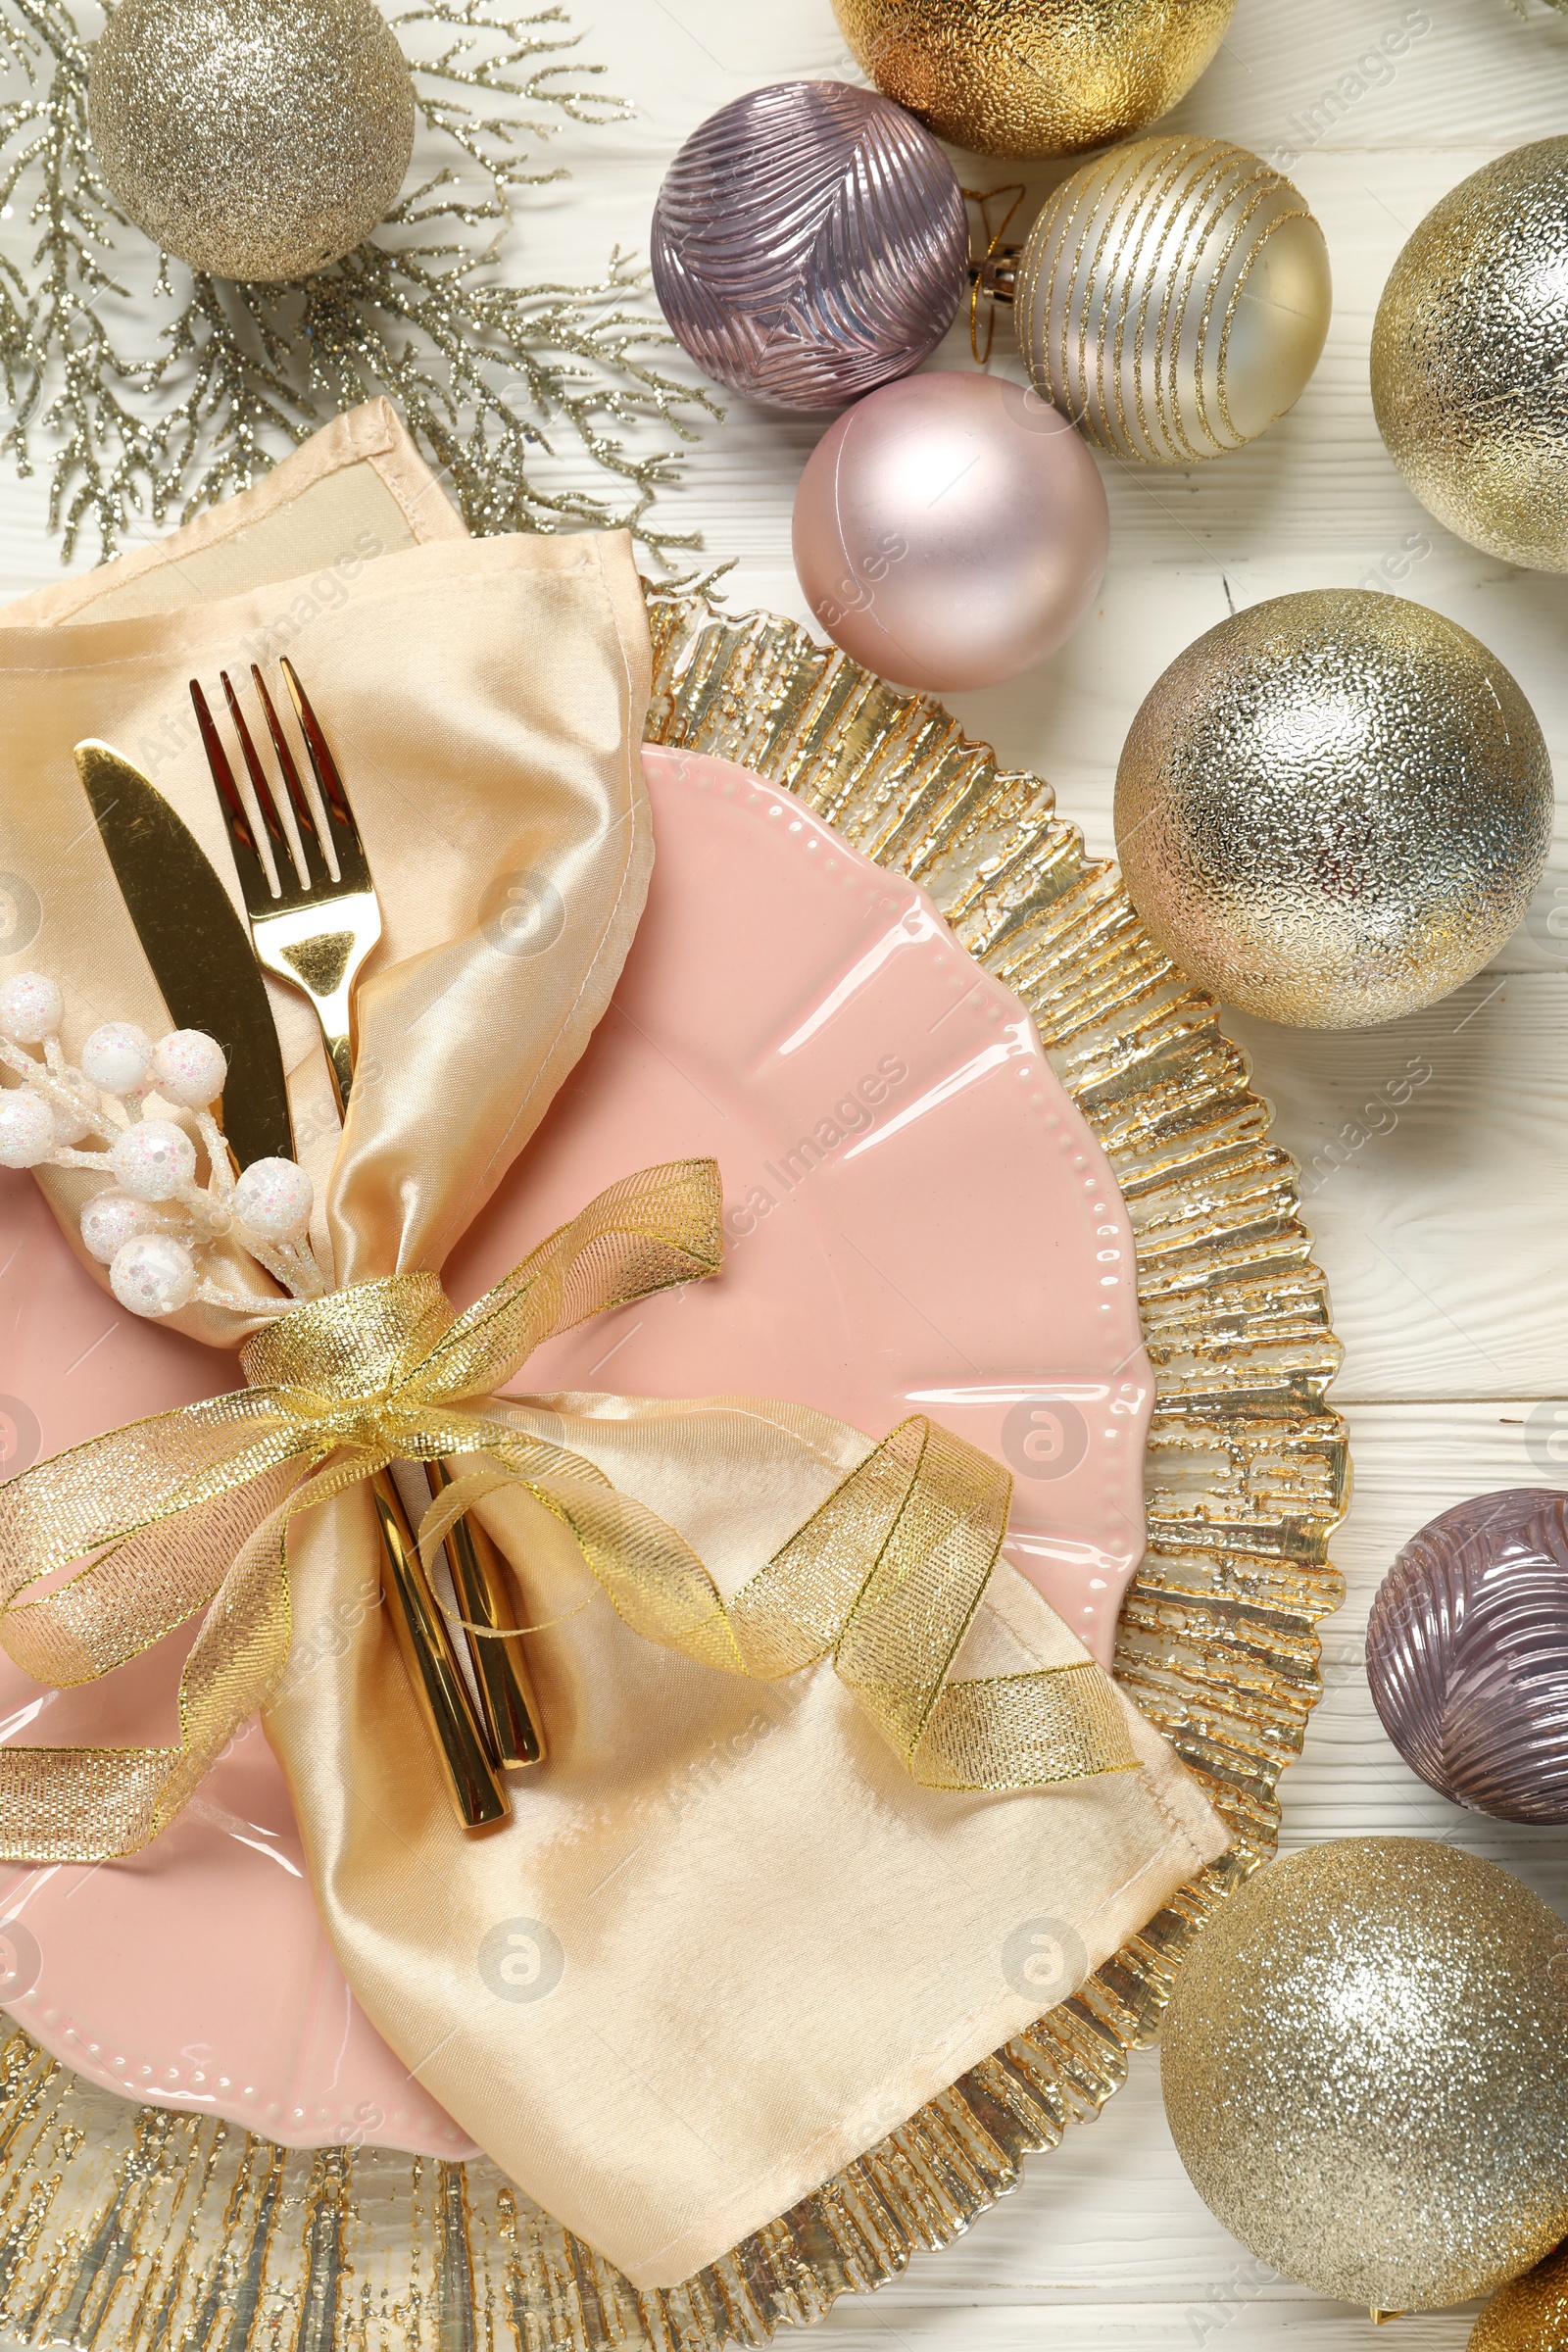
[{"x": 199, "y": 948}]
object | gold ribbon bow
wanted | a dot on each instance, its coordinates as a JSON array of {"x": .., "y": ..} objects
[{"x": 190, "y": 1509}]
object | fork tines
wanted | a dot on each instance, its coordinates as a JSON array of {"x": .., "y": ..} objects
[{"x": 309, "y": 844}]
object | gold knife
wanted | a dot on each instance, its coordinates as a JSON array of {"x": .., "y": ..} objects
[{"x": 197, "y": 945}]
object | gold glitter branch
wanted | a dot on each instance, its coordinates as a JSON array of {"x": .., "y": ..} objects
[
  {"x": 51, "y": 329},
  {"x": 521, "y": 395},
  {"x": 490, "y": 56}
]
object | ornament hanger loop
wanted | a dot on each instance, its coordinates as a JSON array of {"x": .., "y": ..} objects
[{"x": 996, "y": 273}]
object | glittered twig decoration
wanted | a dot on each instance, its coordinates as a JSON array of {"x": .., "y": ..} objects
[{"x": 506, "y": 388}]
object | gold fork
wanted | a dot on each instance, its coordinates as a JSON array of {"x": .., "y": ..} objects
[
  {"x": 314, "y": 927},
  {"x": 314, "y": 916}
]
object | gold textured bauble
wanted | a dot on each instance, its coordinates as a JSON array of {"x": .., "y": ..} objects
[
  {"x": 1032, "y": 78},
  {"x": 1334, "y": 808},
  {"x": 1173, "y": 299},
  {"x": 1366, "y": 2072},
  {"x": 1531, "y": 2315},
  {"x": 254, "y": 139},
  {"x": 1467, "y": 358}
]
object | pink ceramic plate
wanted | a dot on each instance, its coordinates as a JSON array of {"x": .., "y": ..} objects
[{"x": 917, "y": 1220}]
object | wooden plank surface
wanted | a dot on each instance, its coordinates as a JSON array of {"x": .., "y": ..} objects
[{"x": 1439, "y": 1209}]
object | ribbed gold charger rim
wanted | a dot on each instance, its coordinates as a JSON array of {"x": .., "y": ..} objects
[{"x": 144, "y": 2230}]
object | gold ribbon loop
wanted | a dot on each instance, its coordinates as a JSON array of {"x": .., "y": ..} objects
[{"x": 190, "y": 1509}]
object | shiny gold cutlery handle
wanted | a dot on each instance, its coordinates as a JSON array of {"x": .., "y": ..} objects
[
  {"x": 483, "y": 1584},
  {"x": 473, "y": 1772},
  {"x": 341, "y": 1057}
]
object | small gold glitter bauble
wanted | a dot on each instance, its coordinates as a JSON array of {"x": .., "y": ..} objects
[
  {"x": 1028, "y": 78},
  {"x": 1334, "y": 808},
  {"x": 1366, "y": 2072},
  {"x": 1531, "y": 2315},
  {"x": 252, "y": 139},
  {"x": 1467, "y": 358},
  {"x": 1173, "y": 298}
]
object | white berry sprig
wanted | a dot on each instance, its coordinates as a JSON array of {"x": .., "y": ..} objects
[{"x": 152, "y": 1222}]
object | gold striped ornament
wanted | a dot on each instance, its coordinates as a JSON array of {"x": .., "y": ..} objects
[{"x": 1173, "y": 299}]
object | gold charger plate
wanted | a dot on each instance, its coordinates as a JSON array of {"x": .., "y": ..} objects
[{"x": 142, "y": 2230}]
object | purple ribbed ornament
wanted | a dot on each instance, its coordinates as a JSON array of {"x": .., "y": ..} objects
[
  {"x": 1467, "y": 1654},
  {"x": 810, "y": 242}
]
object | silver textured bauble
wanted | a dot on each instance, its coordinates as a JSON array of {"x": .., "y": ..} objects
[
  {"x": 1334, "y": 808},
  {"x": 1366, "y": 2072},
  {"x": 1173, "y": 299},
  {"x": 1467, "y": 358},
  {"x": 257, "y": 139}
]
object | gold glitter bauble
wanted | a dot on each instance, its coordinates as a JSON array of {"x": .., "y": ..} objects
[
  {"x": 252, "y": 139},
  {"x": 1173, "y": 299},
  {"x": 1531, "y": 2316},
  {"x": 1334, "y": 808},
  {"x": 1467, "y": 358},
  {"x": 1366, "y": 2072},
  {"x": 1029, "y": 78}
]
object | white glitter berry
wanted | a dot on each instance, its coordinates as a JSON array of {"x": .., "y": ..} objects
[
  {"x": 63, "y": 1114},
  {"x": 26, "y": 1129},
  {"x": 118, "y": 1058},
  {"x": 31, "y": 1008},
  {"x": 273, "y": 1200},
  {"x": 153, "y": 1274},
  {"x": 153, "y": 1159},
  {"x": 110, "y": 1220},
  {"x": 189, "y": 1069}
]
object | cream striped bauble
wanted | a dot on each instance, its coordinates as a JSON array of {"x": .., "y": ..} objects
[{"x": 1173, "y": 298}]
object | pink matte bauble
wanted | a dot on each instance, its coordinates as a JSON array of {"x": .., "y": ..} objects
[{"x": 950, "y": 531}]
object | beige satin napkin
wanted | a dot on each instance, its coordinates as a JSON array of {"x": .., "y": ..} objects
[
  {"x": 358, "y": 488},
  {"x": 726, "y": 1942}
]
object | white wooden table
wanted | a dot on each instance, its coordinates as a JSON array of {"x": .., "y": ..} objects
[{"x": 1446, "y": 1239}]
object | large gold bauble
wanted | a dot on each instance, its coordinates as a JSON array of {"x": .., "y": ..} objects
[
  {"x": 1334, "y": 808},
  {"x": 1467, "y": 358},
  {"x": 1366, "y": 2072},
  {"x": 254, "y": 139},
  {"x": 1173, "y": 299},
  {"x": 1531, "y": 2315},
  {"x": 1031, "y": 77}
]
